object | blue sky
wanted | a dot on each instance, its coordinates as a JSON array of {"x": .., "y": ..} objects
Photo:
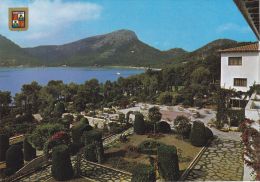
[{"x": 163, "y": 24}]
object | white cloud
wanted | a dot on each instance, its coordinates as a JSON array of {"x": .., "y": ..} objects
[
  {"x": 232, "y": 27},
  {"x": 48, "y": 17}
]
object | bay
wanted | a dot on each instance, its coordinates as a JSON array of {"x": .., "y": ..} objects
[{"x": 12, "y": 79}]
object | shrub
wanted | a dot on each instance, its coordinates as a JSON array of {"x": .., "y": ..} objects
[
  {"x": 182, "y": 125},
  {"x": 198, "y": 134},
  {"x": 28, "y": 150},
  {"x": 168, "y": 163},
  {"x": 149, "y": 147},
  {"x": 78, "y": 130},
  {"x": 163, "y": 127},
  {"x": 4, "y": 145},
  {"x": 61, "y": 168},
  {"x": 14, "y": 158},
  {"x": 143, "y": 173},
  {"x": 139, "y": 125}
]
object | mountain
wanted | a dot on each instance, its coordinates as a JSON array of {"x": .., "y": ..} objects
[
  {"x": 209, "y": 50},
  {"x": 117, "y": 48},
  {"x": 13, "y": 55}
]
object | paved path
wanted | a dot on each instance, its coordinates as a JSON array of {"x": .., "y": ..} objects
[
  {"x": 222, "y": 161},
  {"x": 41, "y": 175},
  {"x": 103, "y": 173}
]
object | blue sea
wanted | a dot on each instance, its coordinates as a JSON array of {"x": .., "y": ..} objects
[{"x": 12, "y": 79}]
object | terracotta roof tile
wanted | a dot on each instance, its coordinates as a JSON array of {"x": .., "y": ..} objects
[{"x": 246, "y": 48}]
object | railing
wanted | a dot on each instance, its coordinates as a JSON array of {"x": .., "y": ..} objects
[{"x": 16, "y": 139}]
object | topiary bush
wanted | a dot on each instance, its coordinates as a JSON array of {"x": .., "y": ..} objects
[
  {"x": 182, "y": 126},
  {"x": 61, "y": 168},
  {"x": 90, "y": 152},
  {"x": 94, "y": 137},
  {"x": 4, "y": 145},
  {"x": 139, "y": 125},
  {"x": 209, "y": 133},
  {"x": 28, "y": 150},
  {"x": 168, "y": 163},
  {"x": 14, "y": 158},
  {"x": 163, "y": 127},
  {"x": 198, "y": 134},
  {"x": 78, "y": 130},
  {"x": 142, "y": 173}
]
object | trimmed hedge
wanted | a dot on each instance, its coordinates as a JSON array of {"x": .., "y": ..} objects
[
  {"x": 139, "y": 125},
  {"x": 28, "y": 151},
  {"x": 4, "y": 145},
  {"x": 168, "y": 163},
  {"x": 142, "y": 173},
  {"x": 198, "y": 134},
  {"x": 163, "y": 127},
  {"x": 61, "y": 168},
  {"x": 14, "y": 159}
]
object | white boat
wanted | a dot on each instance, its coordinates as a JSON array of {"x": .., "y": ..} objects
[{"x": 118, "y": 73}]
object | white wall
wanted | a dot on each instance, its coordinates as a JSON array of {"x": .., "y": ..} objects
[{"x": 249, "y": 69}]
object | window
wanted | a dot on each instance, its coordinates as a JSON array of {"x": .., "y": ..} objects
[
  {"x": 235, "y": 61},
  {"x": 240, "y": 82}
]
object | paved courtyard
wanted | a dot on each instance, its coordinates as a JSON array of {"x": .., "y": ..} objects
[{"x": 222, "y": 161}]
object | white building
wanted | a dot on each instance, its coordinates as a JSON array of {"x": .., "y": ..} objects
[{"x": 240, "y": 67}]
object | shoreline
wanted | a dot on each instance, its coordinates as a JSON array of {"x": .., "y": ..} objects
[{"x": 123, "y": 67}]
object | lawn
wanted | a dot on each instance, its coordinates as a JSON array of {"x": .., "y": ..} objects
[{"x": 123, "y": 156}]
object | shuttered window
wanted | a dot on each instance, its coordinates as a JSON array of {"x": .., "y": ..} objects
[
  {"x": 240, "y": 82},
  {"x": 235, "y": 61}
]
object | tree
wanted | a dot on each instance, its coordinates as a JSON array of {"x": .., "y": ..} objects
[
  {"x": 154, "y": 116},
  {"x": 165, "y": 98},
  {"x": 5, "y": 101},
  {"x": 182, "y": 125},
  {"x": 200, "y": 75},
  {"x": 28, "y": 99},
  {"x": 61, "y": 168}
]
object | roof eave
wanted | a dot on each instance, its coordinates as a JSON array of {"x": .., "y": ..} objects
[{"x": 241, "y": 6}]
